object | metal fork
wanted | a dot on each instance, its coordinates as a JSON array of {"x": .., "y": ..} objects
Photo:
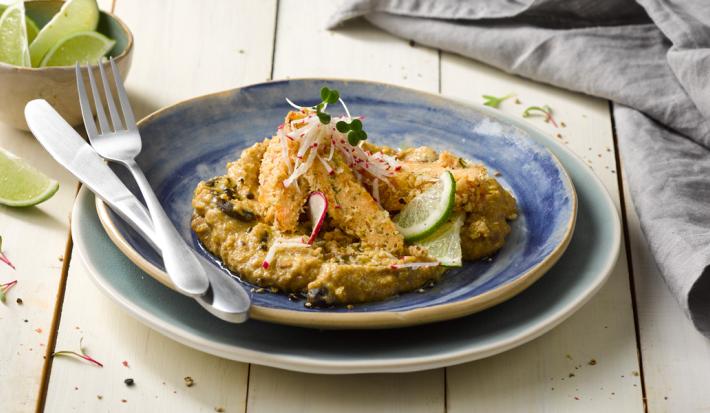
[{"x": 122, "y": 143}]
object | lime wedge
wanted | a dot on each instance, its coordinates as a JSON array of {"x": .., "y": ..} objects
[
  {"x": 75, "y": 16},
  {"x": 84, "y": 47},
  {"x": 445, "y": 243},
  {"x": 429, "y": 210},
  {"x": 22, "y": 185},
  {"x": 32, "y": 29},
  {"x": 13, "y": 36}
]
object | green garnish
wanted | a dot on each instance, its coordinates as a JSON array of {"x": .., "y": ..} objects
[
  {"x": 4, "y": 288},
  {"x": 81, "y": 354},
  {"x": 494, "y": 101},
  {"x": 328, "y": 96},
  {"x": 545, "y": 111},
  {"x": 353, "y": 129}
]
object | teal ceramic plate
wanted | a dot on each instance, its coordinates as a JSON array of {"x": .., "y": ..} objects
[{"x": 578, "y": 274}]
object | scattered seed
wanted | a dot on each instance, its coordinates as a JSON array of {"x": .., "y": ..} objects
[
  {"x": 19, "y": 301},
  {"x": 571, "y": 375},
  {"x": 124, "y": 400},
  {"x": 497, "y": 173},
  {"x": 635, "y": 373},
  {"x": 411, "y": 43},
  {"x": 563, "y": 124},
  {"x": 558, "y": 135},
  {"x": 100, "y": 397},
  {"x": 189, "y": 382},
  {"x": 517, "y": 101},
  {"x": 576, "y": 398},
  {"x": 592, "y": 362},
  {"x": 219, "y": 409},
  {"x": 129, "y": 382}
]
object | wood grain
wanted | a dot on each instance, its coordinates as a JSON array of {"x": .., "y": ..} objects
[
  {"x": 34, "y": 239},
  {"x": 182, "y": 51},
  {"x": 553, "y": 372}
]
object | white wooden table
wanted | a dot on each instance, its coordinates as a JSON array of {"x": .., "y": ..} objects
[{"x": 648, "y": 356}]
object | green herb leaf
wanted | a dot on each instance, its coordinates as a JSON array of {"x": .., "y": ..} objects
[
  {"x": 342, "y": 126},
  {"x": 324, "y": 118},
  {"x": 356, "y": 125},
  {"x": 324, "y": 93},
  {"x": 353, "y": 138},
  {"x": 494, "y": 101},
  {"x": 333, "y": 97}
]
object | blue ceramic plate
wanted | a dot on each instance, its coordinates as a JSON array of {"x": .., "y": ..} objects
[{"x": 193, "y": 141}]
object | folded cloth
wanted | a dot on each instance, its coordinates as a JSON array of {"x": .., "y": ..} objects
[{"x": 651, "y": 58}]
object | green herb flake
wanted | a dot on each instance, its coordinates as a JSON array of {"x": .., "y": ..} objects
[{"x": 494, "y": 101}]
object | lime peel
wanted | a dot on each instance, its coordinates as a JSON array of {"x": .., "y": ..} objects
[
  {"x": 13, "y": 36},
  {"x": 428, "y": 211},
  {"x": 75, "y": 16},
  {"x": 22, "y": 185},
  {"x": 445, "y": 243},
  {"x": 82, "y": 47}
]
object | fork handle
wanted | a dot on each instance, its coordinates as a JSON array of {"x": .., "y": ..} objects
[{"x": 179, "y": 259}]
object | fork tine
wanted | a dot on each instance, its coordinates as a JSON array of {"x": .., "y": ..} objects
[
  {"x": 115, "y": 120},
  {"x": 98, "y": 103},
  {"x": 123, "y": 98},
  {"x": 86, "y": 114}
]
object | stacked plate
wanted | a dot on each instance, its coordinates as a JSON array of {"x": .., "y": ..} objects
[{"x": 546, "y": 270}]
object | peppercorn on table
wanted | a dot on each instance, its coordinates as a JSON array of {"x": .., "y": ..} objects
[{"x": 630, "y": 349}]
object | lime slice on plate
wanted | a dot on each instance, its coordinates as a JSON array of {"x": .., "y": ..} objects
[
  {"x": 32, "y": 28},
  {"x": 22, "y": 185},
  {"x": 429, "y": 210},
  {"x": 13, "y": 36},
  {"x": 84, "y": 47},
  {"x": 75, "y": 16},
  {"x": 445, "y": 243}
]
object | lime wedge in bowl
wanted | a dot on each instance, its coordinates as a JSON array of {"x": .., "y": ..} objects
[
  {"x": 13, "y": 36},
  {"x": 428, "y": 211},
  {"x": 32, "y": 28},
  {"x": 75, "y": 16},
  {"x": 84, "y": 47},
  {"x": 21, "y": 185},
  {"x": 445, "y": 243}
]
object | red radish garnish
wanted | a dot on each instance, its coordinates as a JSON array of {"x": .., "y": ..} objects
[{"x": 317, "y": 208}]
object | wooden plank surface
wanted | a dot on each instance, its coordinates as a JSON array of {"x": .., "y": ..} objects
[
  {"x": 39, "y": 273},
  {"x": 553, "y": 372},
  {"x": 181, "y": 51},
  {"x": 676, "y": 358}
]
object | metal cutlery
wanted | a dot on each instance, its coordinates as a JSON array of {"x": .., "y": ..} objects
[
  {"x": 225, "y": 299},
  {"x": 121, "y": 142}
]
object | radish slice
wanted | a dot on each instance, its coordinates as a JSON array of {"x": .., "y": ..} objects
[{"x": 317, "y": 207}]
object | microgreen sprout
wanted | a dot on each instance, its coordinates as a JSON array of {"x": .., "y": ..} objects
[
  {"x": 545, "y": 111},
  {"x": 3, "y": 257},
  {"x": 81, "y": 354},
  {"x": 494, "y": 101},
  {"x": 328, "y": 96},
  {"x": 4, "y": 288},
  {"x": 353, "y": 129}
]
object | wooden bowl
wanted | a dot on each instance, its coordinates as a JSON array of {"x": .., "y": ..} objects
[{"x": 19, "y": 85}]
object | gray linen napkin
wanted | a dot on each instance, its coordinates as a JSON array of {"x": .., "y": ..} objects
[{"x": 652, "y": 58}]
